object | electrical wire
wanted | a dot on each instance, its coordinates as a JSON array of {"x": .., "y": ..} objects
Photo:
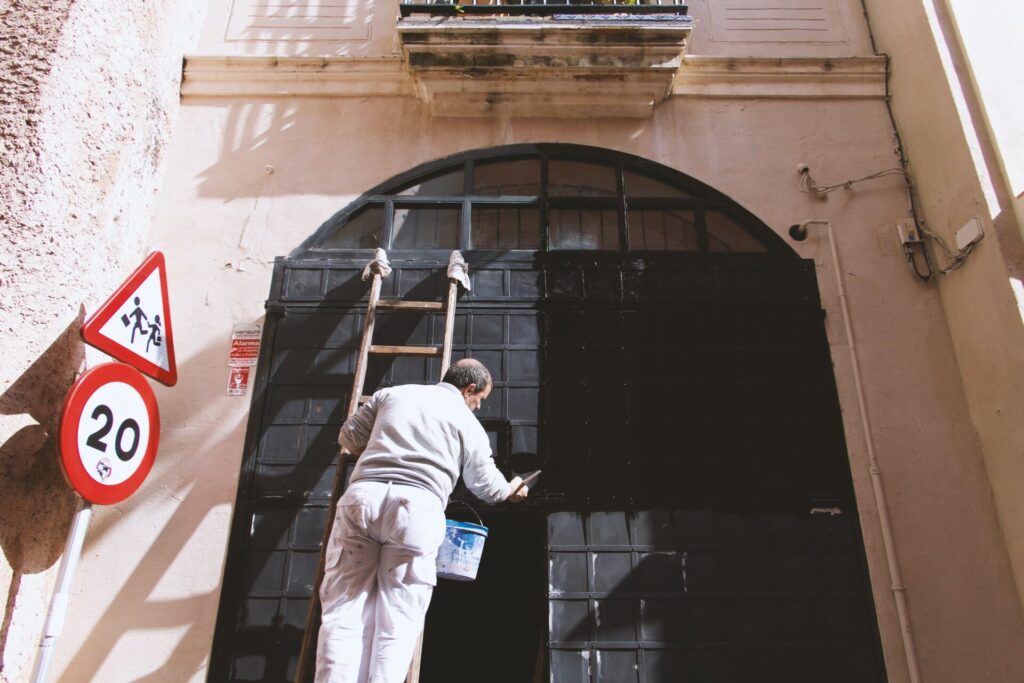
[
  {"x": 912, "y": 262},
  {"x": 901, "y": 153},
  {"x": 956, "y": 259},
  {"x": 807, "y": 185}
]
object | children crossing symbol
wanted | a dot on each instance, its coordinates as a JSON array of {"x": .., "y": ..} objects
[
  {"x": 151, "y": 330},
  {"x": 134, "y": 324},
  {"x": 137, "y": 315}
]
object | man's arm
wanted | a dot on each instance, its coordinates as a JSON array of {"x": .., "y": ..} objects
[
  {"x": 482, "y": 476},
  {"x": 355, "y": 433}
]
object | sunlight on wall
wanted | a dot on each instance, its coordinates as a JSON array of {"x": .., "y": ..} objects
[
  {"x": 995, "y": 56},
  {"x": 192, "y": 561},
  {"x": 959, "y": 99},
  {"x": 1018, "y": 294}
]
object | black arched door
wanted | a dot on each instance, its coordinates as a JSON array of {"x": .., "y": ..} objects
[{"x": 657, "y": 351}]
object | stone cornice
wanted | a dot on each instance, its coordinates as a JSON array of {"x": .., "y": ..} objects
[
  {"x": 783, "y": 78},
  {"x": 246, "y": 76},
  {"x": 720, "y": 77}
]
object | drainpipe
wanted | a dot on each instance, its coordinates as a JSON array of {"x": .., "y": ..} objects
[{"x": 799, "y": 233}]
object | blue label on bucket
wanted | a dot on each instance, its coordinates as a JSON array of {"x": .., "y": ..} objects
[
  {"x": 459, "y": 556},
  {"x": 468, "y": 526}
]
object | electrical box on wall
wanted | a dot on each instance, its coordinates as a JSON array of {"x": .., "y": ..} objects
[
  {"x": 908, "y": 232},
  {"x": 970, "y": 233}
]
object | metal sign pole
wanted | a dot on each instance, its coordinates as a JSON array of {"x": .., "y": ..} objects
[
  {"x": 121, "y": 397},
  {"x": 62, "y": 592}
]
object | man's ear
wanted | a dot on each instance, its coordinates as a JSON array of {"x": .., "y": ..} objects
[{"x": 469, "y": 389}]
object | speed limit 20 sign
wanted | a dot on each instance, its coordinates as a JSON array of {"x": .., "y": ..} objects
[{"x": 109, "y": 432}]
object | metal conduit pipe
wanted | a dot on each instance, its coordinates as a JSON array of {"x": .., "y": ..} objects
[{"x": 799, "y": 233}]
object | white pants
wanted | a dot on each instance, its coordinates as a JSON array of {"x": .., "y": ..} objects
[{"x": 378, "y": 578}]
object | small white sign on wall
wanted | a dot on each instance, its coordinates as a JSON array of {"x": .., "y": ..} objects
[{"x": 238, "y": 381}]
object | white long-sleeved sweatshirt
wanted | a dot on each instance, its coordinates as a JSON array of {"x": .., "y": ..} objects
[{"x": 423, "y": 436}]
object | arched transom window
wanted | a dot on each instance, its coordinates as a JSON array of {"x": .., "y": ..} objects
[{"x": 545, "y": 198}]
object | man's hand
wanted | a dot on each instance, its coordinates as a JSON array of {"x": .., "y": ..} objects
[{"x": 520, "y": 495}]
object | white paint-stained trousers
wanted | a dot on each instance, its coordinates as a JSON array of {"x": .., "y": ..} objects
[{"x": 378, "y": 577}]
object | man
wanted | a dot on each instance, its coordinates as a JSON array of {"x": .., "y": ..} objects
[{"x": 413, "y": 441}]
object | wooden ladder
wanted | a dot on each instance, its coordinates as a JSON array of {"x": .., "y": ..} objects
[{"x": 379, "y": 268}]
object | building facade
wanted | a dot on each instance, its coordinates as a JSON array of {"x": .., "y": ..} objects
[{"x": 769, "y": 454}]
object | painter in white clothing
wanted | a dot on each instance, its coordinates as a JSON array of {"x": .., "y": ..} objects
[{"x": 413, "y": 442}]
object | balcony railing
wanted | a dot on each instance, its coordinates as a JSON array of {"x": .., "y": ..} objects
[{"x": 543, "y": 8}]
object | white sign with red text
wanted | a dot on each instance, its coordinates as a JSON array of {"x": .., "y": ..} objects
[{"x": 245, "y": 345}]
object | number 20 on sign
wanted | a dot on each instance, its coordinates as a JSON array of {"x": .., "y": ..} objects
[{"x": 109, "y": 433}]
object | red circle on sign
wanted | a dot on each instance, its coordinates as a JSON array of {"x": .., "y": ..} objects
[{"x": 108, "y": 433}]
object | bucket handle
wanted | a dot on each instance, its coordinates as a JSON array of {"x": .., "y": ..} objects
[{"x": 478, "y": 519}]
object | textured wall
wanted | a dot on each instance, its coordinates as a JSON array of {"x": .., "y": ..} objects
[
  {"x": 37, "y": 504},
  {"x": 87, "y": 94},
  {"x": 956, "y": 183}
]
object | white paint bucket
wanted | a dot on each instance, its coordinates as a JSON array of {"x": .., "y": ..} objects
[{"x": 459, "y": 556}]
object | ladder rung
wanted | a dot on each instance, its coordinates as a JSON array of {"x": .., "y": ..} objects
[
  {"x": 412, "y": 305},
  {"x": 406, "y": 350}
]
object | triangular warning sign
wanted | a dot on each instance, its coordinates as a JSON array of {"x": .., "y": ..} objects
[{"x": 134, "y": 325}]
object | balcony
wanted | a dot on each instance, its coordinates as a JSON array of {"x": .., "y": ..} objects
[{"x": 571, "y": 59}]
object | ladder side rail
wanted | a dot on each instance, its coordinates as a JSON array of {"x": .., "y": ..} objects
[
  {"x": 449, "y": 326},
  {"x": 306, "y": 666},
  {"x": 359, "y": 377}
]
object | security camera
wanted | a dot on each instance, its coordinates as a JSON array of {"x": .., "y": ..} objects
[{"x": 798, "y": 232}]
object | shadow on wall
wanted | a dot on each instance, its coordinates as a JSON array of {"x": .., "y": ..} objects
[
  {"x": 38, "y": 505},
  {"x": 259, "y": 133},
  {"x": 303, "y": 156},
  {"x": 308, "y": 155},
  {"x": 133, "y": 608},
  {"x": 33, "y": 539},
  {"x": 304, "y": 28}
]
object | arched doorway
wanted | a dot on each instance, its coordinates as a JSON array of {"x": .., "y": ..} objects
[{"x": 657, "y": 350}]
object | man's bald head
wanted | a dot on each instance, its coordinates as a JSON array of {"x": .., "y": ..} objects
[{"x": 468, "y": 371}]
